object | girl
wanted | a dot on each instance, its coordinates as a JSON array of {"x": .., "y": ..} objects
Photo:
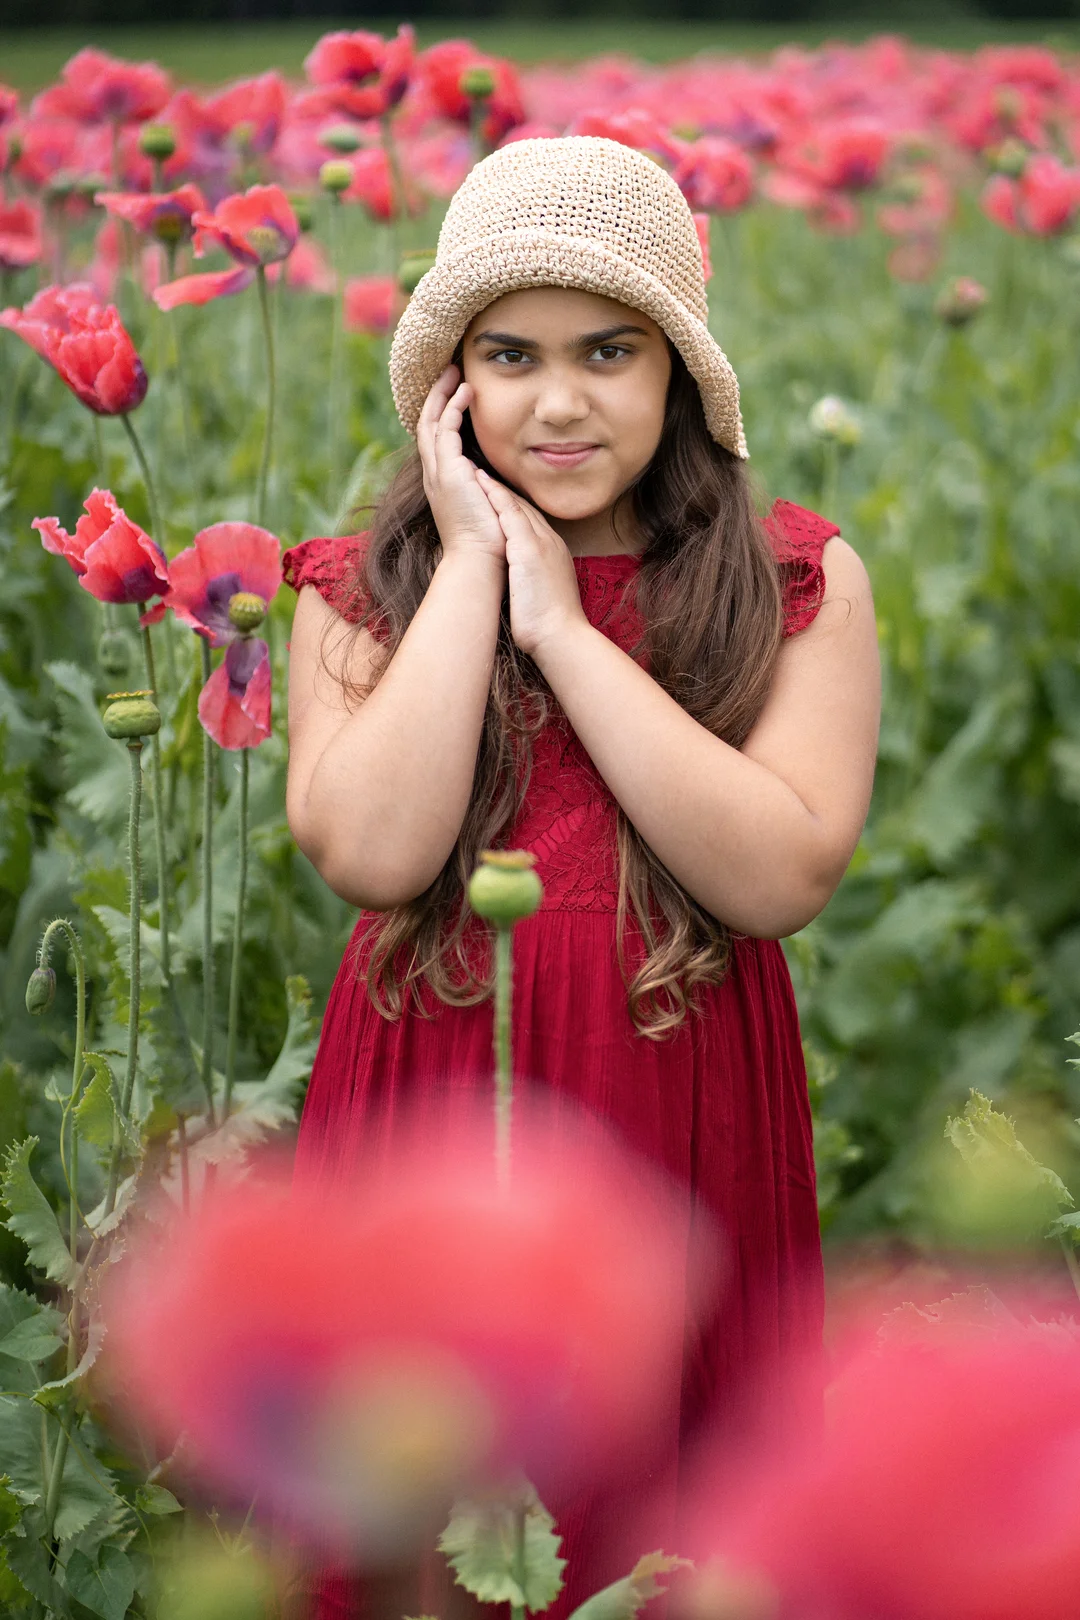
[{"x": 567, "y": 631}]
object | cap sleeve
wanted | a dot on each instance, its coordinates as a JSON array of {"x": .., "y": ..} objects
[
  {"x": 331, "y": 563},
  {"x": 798, "y": 538}
]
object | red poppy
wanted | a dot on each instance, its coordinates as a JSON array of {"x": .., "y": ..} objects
[
  {"x": 438, "y": 86},
  {"x": 9, "y": 103},
  {"x": 305, "y": 269},
  {"x": 716, "y": 175},
  {"x": 370, "y": 304},
  {"x": 944, "y": 1488},
  {"x": 256, "y": 107},
  {"x": 255, "y": 228},
  {"x": 291, "y": 1335},
  {"x": 20, "y": 234},
  {"x": 166, "y": 215},
  {"x": 116, "y": 560},
  {"x": 364, "y": 75},
  {"x": 86, "y": 343},
  {"x": 844, "y": 154},
  {"x": 701, "y": 225},
  {"x": 373, "y": 185},
  {"x": 636, "y": 127},
  {"x": 1044, "y": 200},
  {"x": 223, "y": 560},
  {"x": 98, "y": 88},
  {"x": 234, "y": 705}
]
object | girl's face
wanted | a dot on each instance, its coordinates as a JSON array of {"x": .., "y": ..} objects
[{"x": 568, "y": 395}]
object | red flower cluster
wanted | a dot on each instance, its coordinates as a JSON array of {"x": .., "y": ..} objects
[
  {"x": 361, "y": 75},
  {"x": 115, "y": 560},
  {"x": 255, "y": 229},
  {"x": 85, "y": 341}
]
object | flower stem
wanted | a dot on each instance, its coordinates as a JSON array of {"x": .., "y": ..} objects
[
  {"x": 503, "y": 1072},
  {"x": 398, "y": 196},
  {"x": 134, "y": 962},
  {"x": 148, "y": 483},
  {"x": 238, "y": 938},
  {"x": 61, "y": 924},
  {"x": 336, "y": 356},
  {"x": 159, "y": 821},
  {"x": 208, "y": 901},
  {"x": 268, "y": 434}
]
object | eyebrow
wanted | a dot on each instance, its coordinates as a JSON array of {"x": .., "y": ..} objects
[{"x": 588, "y": 340}]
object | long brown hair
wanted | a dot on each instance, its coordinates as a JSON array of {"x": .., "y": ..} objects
[{"x": 708, "y": 592}]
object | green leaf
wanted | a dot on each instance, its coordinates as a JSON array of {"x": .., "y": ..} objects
[
  {"x": 505, "y": 1550},
  {"x": 29, "y": 1331},
  {"x": 105, "y": 1587},
  {"x": 10, "y": 1506},
  {"x": 28, "y": 1561},
  {"x": 266, "y": 1105},
  {"x": 96, "y": 768},
  {"x": 156, "y": 1499},
  {"x": 32, "y": 1217},
  {"x": 1009, "y": 1190},
  {"x": 98, "y": 1110},
  {"x": 623, "y": 1599}
]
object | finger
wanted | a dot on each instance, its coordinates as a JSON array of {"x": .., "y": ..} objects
[
  {"x": 448, "y": 429},
  {"x": 438, "y": 394}
]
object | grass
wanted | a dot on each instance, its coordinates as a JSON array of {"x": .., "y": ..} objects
[{"x": 208, "y": 53}]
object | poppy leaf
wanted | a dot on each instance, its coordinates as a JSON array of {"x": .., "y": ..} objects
[
  {"x": 32, "y": 1217},
  {"x": 105, "y": 1587},
  {"x": 29, "y": 1331},
  {"x": 481, "y": 1546},
  {"x": 98, "y": 1110},
  {"x": 623, "y": 1599}
]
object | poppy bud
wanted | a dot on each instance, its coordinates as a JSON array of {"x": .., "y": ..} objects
[
  {"x": 157, "y": 141},
  {"x": 336, "y": 176},
  {"x": 504, "y": 888},
  {"x": 131, "y": 715},
  {"x": 40, "y": 990},
  {"x": 246, "y": 611},
  {"x": 1010, "y": 157},
  {"x": 960, "y": 300},
  {"x": 59, "y": 187},
  {"x": 340, "y": 138},
  {"x": 413, "y": 266},
  {"x": 302, "y": 209},
  {"x": 14, "y": 149},
  {"x": 830, "y": 418},
  {"x": 88, "y": 185},
  {"x": 477, "y": 83},
  {"x": 114, "y": 652}
]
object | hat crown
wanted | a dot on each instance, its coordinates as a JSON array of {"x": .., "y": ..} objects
[{"x": 582, "y": 188}]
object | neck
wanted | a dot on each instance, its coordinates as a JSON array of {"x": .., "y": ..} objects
[{"x": 602, "y": 533}]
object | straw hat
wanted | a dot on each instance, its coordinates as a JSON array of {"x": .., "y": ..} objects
[{"x": 579, "y": 211}]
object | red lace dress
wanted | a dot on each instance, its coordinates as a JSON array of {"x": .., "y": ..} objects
[{"x": 721, "y": 1105}]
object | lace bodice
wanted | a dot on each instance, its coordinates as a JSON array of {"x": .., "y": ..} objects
[{"x": 568, "y": 819}]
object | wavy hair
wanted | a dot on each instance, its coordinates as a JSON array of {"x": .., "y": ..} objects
[{"x": 708, "y": 593}]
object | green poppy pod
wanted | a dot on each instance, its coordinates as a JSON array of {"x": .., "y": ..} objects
[
  {"x": 40, "y": 990},
  {"x": 157, "y": 141},
  {"x": 504, "y": 888},
  {"x": 336, "y": 176},
  {"x": 131, "y": 715},
  {"x": 412, "y": 267},
  {"x": 477, "y": 82}
]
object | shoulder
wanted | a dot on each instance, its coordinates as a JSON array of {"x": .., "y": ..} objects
[
  {"x": 815, "y": 563},
  {"x": 331, "y": 563}
]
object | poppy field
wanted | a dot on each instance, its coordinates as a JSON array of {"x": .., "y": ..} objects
[{"x": 198, "y": 293}]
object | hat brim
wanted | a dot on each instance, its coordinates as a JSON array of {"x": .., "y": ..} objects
[{"x": 458, "y": 287}]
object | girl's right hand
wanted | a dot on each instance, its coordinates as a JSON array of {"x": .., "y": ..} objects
[{"x": 464, "y": 517}]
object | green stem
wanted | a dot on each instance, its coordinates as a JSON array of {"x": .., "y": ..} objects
[
  {"x": 517, "y": 1610},
  {"x": 238, "y": 939},
  {"x": 159, "y": 820},
  {"x": 271, "y": 389},
  {"x": 61, "y": 924},
  {"x": 503, "y": 1072},
  {"x": 336, "y": 356},
  {"x": 99, "y": 451},
  {"x": 56, "y": 1474},
  {"x": 208, "y": 901},
  {"x": 134, "y": 962},
  {"x": 398, "y": 196},
  {"x": 148, "y": 483}
]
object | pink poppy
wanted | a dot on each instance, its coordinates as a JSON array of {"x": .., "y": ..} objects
[
  {"x": 115, "y": 560},
  {"x": 634, "y": 126},
  {"x": 370, "y": 304},
  {"x": 373, "y": 185},
  {"x": 257, "y": 106},
  {"x": 9, "y": 103},
  {"x": 86, "y": 343},
  {"x": 438, "y": 87},
  {"x": 1044, "y": 200},
  {"x": 167, "y": 215},
  {"x": 20, "y": 234},
  {"x": 234, "y": 705},
  {"x": 305, "y": 269},
  {"x": 255, "y": 228},
  {"x": 439, "y": 162},
  {"x": 362, "y": 74},
  {"x": 98, "y": 88},
  {"x": 224, "y": 559},
  {"x": 925, "y": 203},
  {"x": 715, "y": 175},
  {"x": 48, "y": 146},
  {"x": 701, "y": 225}
]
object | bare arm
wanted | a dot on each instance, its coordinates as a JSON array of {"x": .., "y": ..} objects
[{"x": 376, "y": 796}]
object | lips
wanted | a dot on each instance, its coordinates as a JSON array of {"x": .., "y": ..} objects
[{"x": 563, "y": 455}]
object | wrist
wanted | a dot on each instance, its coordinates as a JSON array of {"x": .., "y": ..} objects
[
  {"x": 472, "y": 561},
  {"x": 557, "y": 648}
]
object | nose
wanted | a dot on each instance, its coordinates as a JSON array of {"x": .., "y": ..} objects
[{"x": 561, "y": 398}]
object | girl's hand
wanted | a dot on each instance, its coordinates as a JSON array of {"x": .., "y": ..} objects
[
  {"x": 544, "y": 595},
  {"x": 463, "y": 515}
]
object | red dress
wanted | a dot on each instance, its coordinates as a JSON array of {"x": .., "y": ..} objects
[{"x": 722, "y": 1105}]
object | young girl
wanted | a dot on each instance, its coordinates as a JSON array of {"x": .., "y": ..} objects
[{"x": 571, "y": 634}]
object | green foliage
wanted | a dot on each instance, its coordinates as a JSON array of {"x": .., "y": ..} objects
[
  {"x": 504, "y": 1549},
  {"x": 31, "y": 1216},
  {"x": 624, "y": 1599}
]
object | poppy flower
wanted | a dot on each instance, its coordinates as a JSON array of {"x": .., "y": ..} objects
[
  {"x": 635, "y": 126},
  {"x": 223, "y": 561},
  {"x": 359, "y": 1353},
  {"x": 715, "y": 174},
  {"x": 438, "y": 87},
  {"x": 167, "y": 215},
  {"x": 305, "y": 269},
  {"x": 1043, "y": 201},
  {"x": 256, "y": 228},
  {"x": 98, "y": 88},
  {"x": 20, "y": 234},
  {"x": 234, "y": 704},
  {"x": 85, "y": 341},
  {"x": 370, "y": 304},
  {"x": 363, "y": 75},
  {"x": 115, "y": 560},
  {"x": 9, "y": 103},
  {"x": 256, "y": 107},
  {"x": 944, "y": 1487}
]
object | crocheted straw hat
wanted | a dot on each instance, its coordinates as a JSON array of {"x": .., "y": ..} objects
[{"x": 578, "y": 211}]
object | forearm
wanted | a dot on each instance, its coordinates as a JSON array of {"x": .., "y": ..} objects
[
  {"x": 388, "y": 794},
  {"x": 735, "y": 835}
]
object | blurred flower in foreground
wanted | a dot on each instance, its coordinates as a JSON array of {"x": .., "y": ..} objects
[
  {"x": 20, "y": 234},
  {"x": 255, "y": 228},
  {"x": 115, "y": 560},
  {"x": 1044, "y": 200},
  {"x": 831, "y": 418},
  {"x": 359, "y": 1356},
  {"x": 85, "y": 341},
  {"x": 167, "y": 215},
  {"x": 98, "y": 88},
  {"x": 370, "y": 304},
  {"x": 944, "y": 1488}
]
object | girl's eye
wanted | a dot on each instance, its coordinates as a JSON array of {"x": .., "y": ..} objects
[
  {"x": 611, "y": 351},
  {"x": 510, "y": 356}
]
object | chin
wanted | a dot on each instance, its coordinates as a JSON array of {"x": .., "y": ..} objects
[{"x": 567, "y": 504}]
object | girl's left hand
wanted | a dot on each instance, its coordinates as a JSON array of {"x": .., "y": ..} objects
[{"x": 544, "y": 593}]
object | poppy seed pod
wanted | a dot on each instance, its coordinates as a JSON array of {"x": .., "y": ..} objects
[
  {"x": 247, "y": 611},
  {"x": 114, "y": 652},
  {"x": 505, "y": 888},
  {"x": 340, "y": 138},
  {"x": 157, "y": 141},
  {"x": 412, "y": 267},
  {"x": 477, "y": 82},
  {"x": 40, "y": 990},
  {"x": 336, "y": 176},
  {"x": 131, "y": 715}
]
